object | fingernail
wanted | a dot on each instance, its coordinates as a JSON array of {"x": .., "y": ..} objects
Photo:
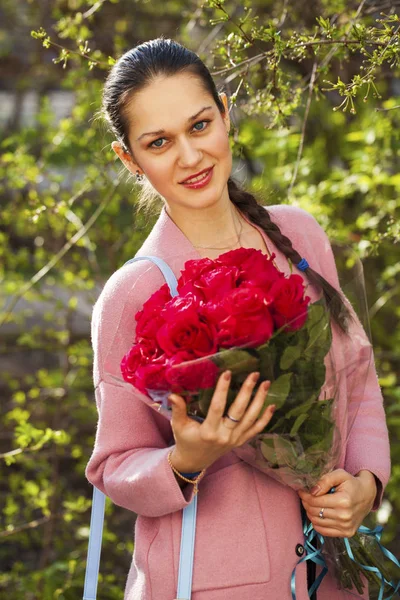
[
  {"x": 266, "y": 385},
  {"x": 227, "y": 375},
  {"x": 272, "y": 408},
  {"x": 255, "y": 376},
  {"x": 315, "y": 490}
]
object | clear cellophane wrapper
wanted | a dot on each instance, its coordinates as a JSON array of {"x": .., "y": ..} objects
[{"x": 318, "y": 376}]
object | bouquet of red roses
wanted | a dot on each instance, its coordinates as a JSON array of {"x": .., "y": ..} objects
[
  {"x": 239, "y": 312},
  {"x": 219, "y": 306}
]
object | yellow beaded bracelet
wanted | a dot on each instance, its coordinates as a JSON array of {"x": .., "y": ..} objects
[{"x": 195, "y": 481}]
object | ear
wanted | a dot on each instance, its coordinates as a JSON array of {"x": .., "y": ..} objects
[
  {"x": 126, "y": 158},
  {"x": 224, "y": 99}
]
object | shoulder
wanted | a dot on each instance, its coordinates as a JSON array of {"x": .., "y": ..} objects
[
  {"x": 308, "y": 237},
  {"x": 130, "y": 286},
  {"x": 294, "y": 218},
  {"x": 300, "y": 226}
]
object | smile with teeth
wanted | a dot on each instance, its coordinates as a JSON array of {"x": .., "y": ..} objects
[{"x": 199, "y": 178}]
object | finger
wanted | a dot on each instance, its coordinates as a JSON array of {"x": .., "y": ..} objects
[
  {"x": 252, "y": 413},
  {"x": 345, "y": 529},
  {"x": 338, "y": 500},
  {"x": 179, "y": 411},
  {"x": 260, "y": 424},
  {"x": 329, "y": 514},
  {"x": 330, "y": 532},
  {"x": 330, "y": 480},
  {"x": 218, "y": 401},
  {"x": 339, "y": 518},
  {"x": 241, "y": 402},
  {"x": 326, "y": 523}
]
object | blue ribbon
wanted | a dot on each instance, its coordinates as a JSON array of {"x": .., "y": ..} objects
[
  {"x": 376, "y": 533},
  {"x": 312, "y": 553},
  {"x": 315, "y": 554}
]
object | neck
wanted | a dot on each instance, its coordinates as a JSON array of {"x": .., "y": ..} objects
[{"x": 216, "y": 226}]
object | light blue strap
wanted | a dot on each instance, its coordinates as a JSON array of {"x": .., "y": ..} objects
[
  {"x": 98, "y": 504},
  {"x": 187, "y": 550},
  {"x": 165, "y": 269},
  {"x": 94, "y": 547}
]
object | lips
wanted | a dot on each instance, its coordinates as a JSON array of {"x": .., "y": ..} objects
[{"x": 203, "y": 172}]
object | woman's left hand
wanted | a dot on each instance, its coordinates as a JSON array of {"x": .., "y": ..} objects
[{"x": 346, "y": 508}]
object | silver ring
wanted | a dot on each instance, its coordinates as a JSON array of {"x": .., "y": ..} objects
[
  {"x": 232, "y": 419},
  {"x": 321, "y": 513}
]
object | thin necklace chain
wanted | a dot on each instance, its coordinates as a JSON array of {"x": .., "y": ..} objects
[
  {"x": 225, "y": 247},
  {"x": 238, "y": 242}
]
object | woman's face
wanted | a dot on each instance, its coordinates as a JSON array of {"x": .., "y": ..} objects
[{"x": 186, "y": 146}]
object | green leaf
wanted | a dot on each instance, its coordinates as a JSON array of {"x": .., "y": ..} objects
[
  {"x": 298, "y": 423},
  {"x": 279, "y": 390},
  {"x": 280, "y": 451},
  {"x": 238, "y": 361},
  {"x": 290, "y": 354},
  {"x": 267, "y": 354}
]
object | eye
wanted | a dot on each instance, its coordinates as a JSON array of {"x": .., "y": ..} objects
[
  {"x": 153, "y": 144},
  {"x": 199, "y": 123}
]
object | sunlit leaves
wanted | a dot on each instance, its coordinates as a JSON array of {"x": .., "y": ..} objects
[{"x": 55, "y": 174}]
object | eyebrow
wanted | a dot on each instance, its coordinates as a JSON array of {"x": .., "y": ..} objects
[{"x": 161, "y": 131}]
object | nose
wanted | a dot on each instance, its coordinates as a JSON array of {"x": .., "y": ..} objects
[{"x": 189, "y": 154}]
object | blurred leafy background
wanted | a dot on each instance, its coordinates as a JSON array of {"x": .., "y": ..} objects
[{"x": 315, "y": 96}]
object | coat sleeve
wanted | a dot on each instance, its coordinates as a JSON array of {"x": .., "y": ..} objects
[
  {"x": 368, "y": 440},
  {"x": 129, "y": 459}
]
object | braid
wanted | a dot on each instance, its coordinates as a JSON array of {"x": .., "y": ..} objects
[{"x": 249, "y": 206}]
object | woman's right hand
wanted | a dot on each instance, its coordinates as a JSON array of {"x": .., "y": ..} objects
[{"x": 197, "y": 446}]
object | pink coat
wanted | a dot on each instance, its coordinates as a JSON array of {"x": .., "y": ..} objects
[{"x": 248, "y": 524}]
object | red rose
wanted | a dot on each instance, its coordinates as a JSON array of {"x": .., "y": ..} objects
[
  {"x": 138, "y": 356},
  {"x": 212, "y": 283},
  {"x": 213, "y": 313},
  {"x": 191, "y": 376},
  {"x": 130, "y": 363},
  {"x": 148, "y": 319},
  {"x": 256, "y": 268},
  {"x": 192, "y": 270},
  {"x": 180, "y": 306},
  {"x": 216, "y": 284},
  {"x": 288, "y": 303},
  {"x": 248, "y": 320},
  {"x": 152, "y": 375},
  {"x": 236, "y": 257},
  {"x": 185, "y": 330}
]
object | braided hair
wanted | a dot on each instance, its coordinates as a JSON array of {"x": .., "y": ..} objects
[{"x": 257, "y": 214}]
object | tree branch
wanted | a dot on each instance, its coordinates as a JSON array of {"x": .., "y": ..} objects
[
  {"x": 304, "y": 126},
  {"x": 67, "y": 246},
  {"x": 30, "y": 525},
  {"x": 386, "y": 109},
  {"x": 263, "y": 55}
]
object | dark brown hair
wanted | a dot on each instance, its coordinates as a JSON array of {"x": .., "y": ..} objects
[{"x": 136, "y": 69}]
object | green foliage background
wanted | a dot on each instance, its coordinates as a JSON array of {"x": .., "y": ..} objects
[{"x": 315, "y": 95}]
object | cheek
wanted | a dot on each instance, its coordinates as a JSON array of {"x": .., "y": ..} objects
[
  {"x": 157, "y": 171},
  {"x": 220, "y": 144}
]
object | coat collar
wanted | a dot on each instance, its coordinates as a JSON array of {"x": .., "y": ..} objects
[{"x": 168, "y": 241}]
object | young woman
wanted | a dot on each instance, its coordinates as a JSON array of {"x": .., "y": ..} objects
[{"x": 171, "y": 128}]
